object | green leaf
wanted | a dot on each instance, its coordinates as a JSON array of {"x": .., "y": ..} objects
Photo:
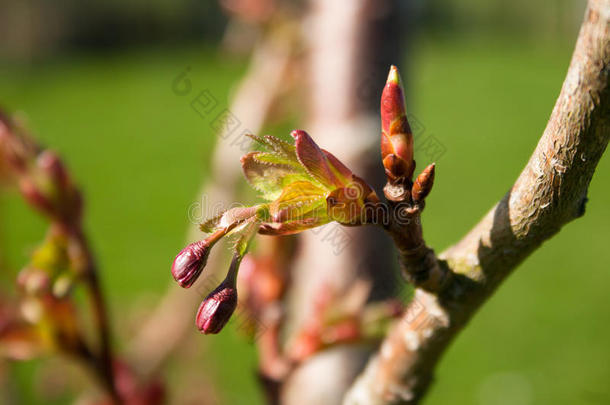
[
  {"x": 297, "y": 200},
  {"x": 273, "y": 159},
  {"x": 269, "y": 175},
  {"x": 280, "y": 147}
]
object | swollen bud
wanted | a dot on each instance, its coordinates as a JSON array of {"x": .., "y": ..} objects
[
  {"x": 423, "y": 184},
  {"x": 35, "y": 196},
  {"x": 396, "y": 135},
  {"x": 34, "y": 281},
  {"x": 217, "y": 308},
  {"x": 13, "y": 152},
  {"x": 189, "y": 263},
  {"x": 51, "y": 166}
]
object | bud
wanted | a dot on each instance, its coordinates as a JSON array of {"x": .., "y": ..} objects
[
  {"x": 423, "y": 184},
  {"x": 67, "y": 199},
  {"x": 51, "y": 165},
  {"x": 35, "y": 196},
  {"x": 189, "y": 263},
  {"x": 16, "y": 149},
  {"x": 217, "y": 308},
  {"x": 32, "y": 309},
  {"x": 34, "y": 281},
  {"x": 62, "y": 285},
  {"x": 396, "y": 136}
]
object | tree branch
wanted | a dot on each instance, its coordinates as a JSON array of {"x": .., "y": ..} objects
[{"x": 550, "y": 192}]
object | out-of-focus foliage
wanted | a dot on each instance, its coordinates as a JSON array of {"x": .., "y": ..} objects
[
  {"x": 39, "y": 28},
  {"x": 549, "y": 18}
]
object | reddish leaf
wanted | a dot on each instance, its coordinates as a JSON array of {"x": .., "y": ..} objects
[{"x": 314, "y": 160}]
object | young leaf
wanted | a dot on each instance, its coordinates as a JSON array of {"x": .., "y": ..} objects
[
  {"x": 348, "y": 205},
  {"x": 338, "y": 168},
  {"x": 270, "y": 177},
  {"x": 314, "y": 160},
  {"x": 296, "y": 200}
]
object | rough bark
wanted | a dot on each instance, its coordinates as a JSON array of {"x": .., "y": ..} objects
[{"x": 550, "y": 192}]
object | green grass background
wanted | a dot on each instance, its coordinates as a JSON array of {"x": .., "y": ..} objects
[{"x": 140, "y": 152}]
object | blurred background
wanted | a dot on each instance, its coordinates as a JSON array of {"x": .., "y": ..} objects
[{"x": 95, "y": 81}]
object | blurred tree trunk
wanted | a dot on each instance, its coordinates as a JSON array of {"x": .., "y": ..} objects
[{"x": 349, "y": 50}]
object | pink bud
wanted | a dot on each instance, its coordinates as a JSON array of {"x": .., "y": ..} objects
[
  {"x": 34, "y": 196},
  {"x": 34, "y": 281},
  {"x": 52, "y": 166},
  {"x": 396, "y": 135},
  {"x": 217, "y": 308},
  {"x": 189, "y": 263}
]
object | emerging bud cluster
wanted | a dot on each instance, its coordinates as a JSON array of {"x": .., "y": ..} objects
[
  {"x": 48, "y": 317},
  {"x": 51, "y": 268},
  {"x": 306, "y": 187},
  {"x": 40, "y": 174}
]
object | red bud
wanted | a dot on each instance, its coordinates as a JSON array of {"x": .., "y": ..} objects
[
  {"x": 396, "y": 136},
  {"x": 189, "y": 263},
  {"x": 217, "y": 308},
  {"x": 34, "y": 281},
  {"x": 35, "y": 197},
  {"x": 52, "y": 166}
]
